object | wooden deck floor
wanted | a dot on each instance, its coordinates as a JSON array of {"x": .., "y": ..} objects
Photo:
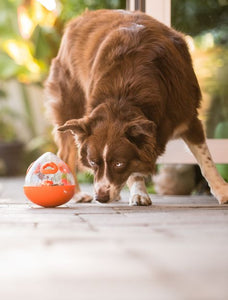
[{"x": 177, "y": 249}]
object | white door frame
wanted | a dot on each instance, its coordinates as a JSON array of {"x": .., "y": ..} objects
[{"x": 159, "y": 9}]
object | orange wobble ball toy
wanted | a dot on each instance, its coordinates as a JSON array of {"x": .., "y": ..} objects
[{"x": 49, "y": 182}]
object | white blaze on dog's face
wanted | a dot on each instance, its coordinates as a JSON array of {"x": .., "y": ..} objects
[
  {"x": 114, "y": 150},
  {"x": 112, "y": 164},
  {"x": 104, "y": 189}
]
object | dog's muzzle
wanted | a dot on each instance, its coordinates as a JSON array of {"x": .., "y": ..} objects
[{"x": 102, "y": 196}]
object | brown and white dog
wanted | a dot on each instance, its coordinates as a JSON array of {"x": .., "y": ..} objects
[{"x": 123, "y": 84}]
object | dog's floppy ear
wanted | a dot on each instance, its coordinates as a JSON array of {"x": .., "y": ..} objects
[
  {"x": 78, "y": 127},
  {"x": 139, "y": 131}
]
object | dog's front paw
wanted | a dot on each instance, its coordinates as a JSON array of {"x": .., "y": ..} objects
[
  {"x": 82, "y": 197},
  {"x": 222, "y": 198},
  {"x": 117, "y": 198},
  {"x": 221, "y": 193},
  {"x": 138, "y": 199}
]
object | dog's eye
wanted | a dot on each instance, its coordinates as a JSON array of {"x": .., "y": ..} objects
[
  {"x": 118, "y": 164},
  {"x": 92, "y": 163}
]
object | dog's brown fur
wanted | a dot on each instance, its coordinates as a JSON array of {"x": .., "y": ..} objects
[{"x": 124, "y": 84}]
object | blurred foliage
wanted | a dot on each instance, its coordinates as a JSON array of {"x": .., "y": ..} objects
[
  {"x": 194, "y": 16},
  {"x": 71, "y": 8},
  {"x": 30, "y": 34},
  {"x": 7, "y": 119},
  {"x": 7, "y": 132},
  {"x": 207, "y": 22},
  {"x": 221, "y": 132},
  {"x": 85, "y": 177}
]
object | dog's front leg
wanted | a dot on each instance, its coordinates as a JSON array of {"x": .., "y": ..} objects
[
  {"x": 219, "y": 188},
  {"x": 138, "y": 193}
]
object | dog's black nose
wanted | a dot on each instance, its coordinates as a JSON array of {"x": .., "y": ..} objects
[{"x": 102, "y": 197}]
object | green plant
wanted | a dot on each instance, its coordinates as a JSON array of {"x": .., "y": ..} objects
[
  {"x": 7, "y": 118},
  {"x": 7, "y": 130},
  {"x": 30, "y": 34}
]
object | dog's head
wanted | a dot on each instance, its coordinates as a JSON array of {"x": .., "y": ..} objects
[{"x": 114, "y": 147}]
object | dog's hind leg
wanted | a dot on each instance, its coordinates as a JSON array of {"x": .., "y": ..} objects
[
  {"x": 138, "y": 192},
  {"x": 196, "y": 142},
  {"x": 66, "y": 101}
]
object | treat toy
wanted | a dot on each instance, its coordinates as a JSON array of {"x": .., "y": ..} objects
[{"x": 48, "y": 181}]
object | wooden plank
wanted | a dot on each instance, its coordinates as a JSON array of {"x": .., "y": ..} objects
[{"x": 178, "y": 152}]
